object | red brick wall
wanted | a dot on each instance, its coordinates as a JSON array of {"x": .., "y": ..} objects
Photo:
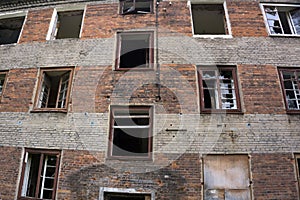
[
  {"x": 246, "y": 19},
  {"x": 274, "y": 176},
  {"x": 261, "y": 89},
  {"x": 36, "y": 26},
  {"x": 178, "y": 81},
  {"x": 10, "y": 158},
  {"x": 81, "y": 172},
  {"x": 18, "y": 93}
]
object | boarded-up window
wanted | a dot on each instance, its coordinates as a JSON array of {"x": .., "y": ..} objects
[
  {"x": 226, "y": 177},
  {"x": 125, "y": 196}
]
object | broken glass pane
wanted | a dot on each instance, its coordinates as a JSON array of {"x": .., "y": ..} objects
[{"x": 295, "y": 14}]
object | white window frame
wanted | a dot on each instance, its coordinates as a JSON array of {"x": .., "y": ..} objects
[
  {"x": 12, "y": 15},
  {"x": 229, "y": 35},
  {"x": 102, "y": 190},
  {"x": 292, "y": 28},
  {"x": 64, "y": 9}
]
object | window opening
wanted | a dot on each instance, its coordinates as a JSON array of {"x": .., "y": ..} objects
[
  {"x": 219, "y": 89},
  {"x": 283, "y": 19},
  {"x": 135, "y": 50},
  {"x": 2, "y": 81},
  {"x": 10, "y": 29},
  {"x": 209, "y": 19},
  {"x": 67, "y": 24},
  {"x": 291, "y": 82},
  {"x": 126, "y": 196},
  {"x": 136, "y": 6},
  {"x": 54, "y": 89},
  {"x": 131, "y": 131},
  {"x": 40, "y": 175}
]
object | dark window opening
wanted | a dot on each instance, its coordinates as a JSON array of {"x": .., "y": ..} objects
[
  {"x": 209, "y": 19},
  {"x": 54, "y": 89},
  {"x": 2, "y": 81},
  {"x": 290, "y": 81},
  {"x": 39, "y": 176},
  {"x": 10, "y": 29},
  {"x": 135, "y": 50},
  {"x": 67, "y": 24},
  {"x": 123, "y": 196},
  {"x": 131, "y": 132},
  {"x": 219, "y": 89},
  {"x": 283, "y": 19},
  {"x": 136, "y": 6},
  {"x": 298, "y": 163}
]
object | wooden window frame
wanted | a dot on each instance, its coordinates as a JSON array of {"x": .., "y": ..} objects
[
  {"x": 233, "y": 69},
  {"x": 39, "y": 88},
  {"x": 42, "y": 152},
  {"x": 119, "y": 48},
  {"x": 148, "y": 109},
  {"x": 294, "y": 70},
  {"x": 121, "y": 7},
  {"x": 279, "y": 8},
  {"x": 297, "y": 166},
  {"x": 4, "y": 82}
]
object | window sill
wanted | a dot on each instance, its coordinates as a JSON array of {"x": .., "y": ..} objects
[
  {"x": 284, "y": 35},
  {"x": 46, "y": 110},
  {"x": 222, "y": 111},
  {"x": 293, "y": 112},
  {"x": 212, "y": 36},
  {"x": 135, "y": 69},
  {"x": 129, "y": 158}
]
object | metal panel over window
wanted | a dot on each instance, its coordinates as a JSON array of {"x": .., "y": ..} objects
[{"x": 226, "y": 177}]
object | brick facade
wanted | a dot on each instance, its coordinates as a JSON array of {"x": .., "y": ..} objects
[{"x": 182, "y": 134}]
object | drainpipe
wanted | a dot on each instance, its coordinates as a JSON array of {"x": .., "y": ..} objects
[{"x": 157, "y": 97}]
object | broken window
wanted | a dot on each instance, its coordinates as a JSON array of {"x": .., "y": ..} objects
[
  {"x": 226, "y": 177},
  {"x": 2, "y": 81},
  {"x": 10, "y": 29},
  {"x": 282, "y": 19},
  {"x": 136, "y": 6},
  {"x": 290, "y": 81},
  {"x": 39, "y": 174},
  {"x": 219, "y": 89},
  {"x": 67, "y": 25},
  {"x": 130, "y": 134},
  {"x": 126, "y": 196},
  {"x": 54, "y": 89},
  {"x": 209, "y": 19},
  {"x": 134, "y": 50}
]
